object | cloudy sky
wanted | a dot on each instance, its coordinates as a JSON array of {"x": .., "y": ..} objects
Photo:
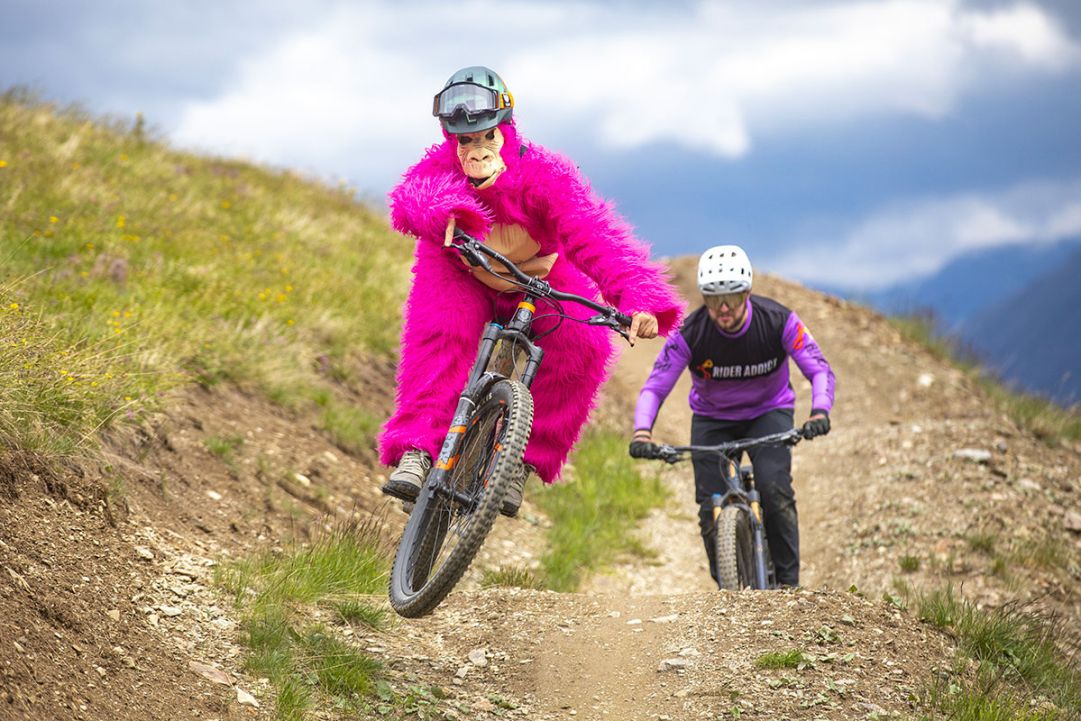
[{"x": 847, "y": 143}]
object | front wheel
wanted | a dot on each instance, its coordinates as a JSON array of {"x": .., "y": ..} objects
[
  {"x": 735, "y": 549},
  {"x": 449, "y": 523}
]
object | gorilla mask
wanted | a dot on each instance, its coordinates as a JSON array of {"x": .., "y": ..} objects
[{"x": 479, "y": 155}]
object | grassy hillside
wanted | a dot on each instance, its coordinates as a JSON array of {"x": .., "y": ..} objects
[{"x": 129, "y": 269}]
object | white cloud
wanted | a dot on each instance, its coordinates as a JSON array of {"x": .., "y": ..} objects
[
  {"x": 912, "y": 240},
  {"x": 354, "y": 91}
]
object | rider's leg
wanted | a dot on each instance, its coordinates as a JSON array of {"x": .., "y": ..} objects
[
  {"x": 444, "y": 318},
  {"x": 773, "y": 478},
  {"x": 576, "y": 357},
  {"x": 707, "y": 475}
]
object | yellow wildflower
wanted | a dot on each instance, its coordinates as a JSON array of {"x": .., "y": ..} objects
[
  {"x": 120, "y": 220},
  {"x": 225, "y": 204},
  {"x": 123, "y": 157},
  {"x": 54, "y": 219},
  {"x": 290, "y": 322},
  {"x": 3, "y": 163},
  {"x": 14, "y": 306}
]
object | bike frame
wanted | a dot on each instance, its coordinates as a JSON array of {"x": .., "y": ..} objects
[
  {"x": 741, "y": 491},
  {"x": 515, "y": 334},
  {"x": 743, "y": 494}
]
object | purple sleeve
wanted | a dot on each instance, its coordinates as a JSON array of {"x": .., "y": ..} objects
[
  {"x": 666, "y": 371},
  {"x": 801, "y": 345}
]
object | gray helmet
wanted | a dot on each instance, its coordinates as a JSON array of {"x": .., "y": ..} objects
[{"x": 473, "y": 100}]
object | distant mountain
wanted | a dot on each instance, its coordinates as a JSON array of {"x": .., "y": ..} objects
[
  {"x": 1016, "y": 309},
  {"x": 1033, "y": 336},
  {"x": 971, "y": 284}
]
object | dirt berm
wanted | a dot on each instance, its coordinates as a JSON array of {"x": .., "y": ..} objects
[{"x": 108, "y": 608}]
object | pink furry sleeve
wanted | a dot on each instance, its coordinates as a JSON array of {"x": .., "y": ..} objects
[
  {"x": 429, "y": 192},
  {"x": 600, "y": 243}
]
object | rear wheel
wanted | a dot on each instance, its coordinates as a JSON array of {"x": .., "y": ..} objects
[
  {"x": 735, "y": 549},
  {"x": 445, "y": 531}
]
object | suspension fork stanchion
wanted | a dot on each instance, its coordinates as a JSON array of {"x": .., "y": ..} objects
[
  {"x": 523, "y": 322},
  {"x": 759, "y": 538},
  {"x": 448, "y": 454},
  {"x": 484, "y": 352}
]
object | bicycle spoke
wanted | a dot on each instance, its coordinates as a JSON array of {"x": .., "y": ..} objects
[
  {"x": 470, "y": 478},
  {"x": 450, "y": 521}
]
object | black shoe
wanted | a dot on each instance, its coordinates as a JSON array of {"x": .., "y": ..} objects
[
  {"x": 401, "y": 489},
  {"x": 513, "y": 500},
  {"x": 404, "y": 483}
]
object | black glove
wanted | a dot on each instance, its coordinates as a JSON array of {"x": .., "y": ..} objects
[
  {"x": 645, "y": 449},
  {"x": 816, "y": 426}
]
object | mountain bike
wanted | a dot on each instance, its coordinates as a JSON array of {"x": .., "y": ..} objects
[
  {"x": 742, "y": 552},
  {"x": 482, "y": 452}
]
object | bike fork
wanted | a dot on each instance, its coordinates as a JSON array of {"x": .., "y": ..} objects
[{"x": 761, "y": 573}]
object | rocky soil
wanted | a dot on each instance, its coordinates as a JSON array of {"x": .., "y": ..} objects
[{"x": 108, "y": 609}]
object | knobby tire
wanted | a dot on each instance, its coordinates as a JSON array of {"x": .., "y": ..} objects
[
  {"x": 442, "y": 536},
  {"x": 734, "y": 545}
]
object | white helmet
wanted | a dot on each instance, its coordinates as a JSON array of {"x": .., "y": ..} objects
[{"x": 724, "y": 269}]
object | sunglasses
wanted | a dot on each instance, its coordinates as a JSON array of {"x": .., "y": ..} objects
[{"x": 732, "y": 300}]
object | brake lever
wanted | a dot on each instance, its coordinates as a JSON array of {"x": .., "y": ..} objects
[
  {"x": 610, "y": 322},
  {"x": 669, "y": 455},
  {"x": 470, "y": 254}
]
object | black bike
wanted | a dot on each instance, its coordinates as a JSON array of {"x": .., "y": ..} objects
[
  {"x": 483, "y": 449},
  {"x": 743, "y": 559}
]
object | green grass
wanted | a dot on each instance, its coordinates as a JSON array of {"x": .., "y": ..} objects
[
  {"x": 986, "y": 703},
  {"x": 594, "y": 513},
  {"x": 909, "y": 564},
  {"x": 130, "y": 269},
  {"x": 224, "y": 447},
  {"x": 307, "y": 663},
  {"x": 351, "y": 427},
  {"x": 356, "y": 612},
  {"x": 982, "y": 541},
  {"x": 1016, "y": 659},
  {"x": 781, "y": 659},
  {"x": 510, "y": 577},
  {"x": 1044, "y": 419}
]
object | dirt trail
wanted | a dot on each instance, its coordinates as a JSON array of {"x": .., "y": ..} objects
[{"x": 108, "y": 606}]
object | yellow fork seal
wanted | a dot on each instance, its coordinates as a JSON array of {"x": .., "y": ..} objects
[{"x": 528, "y": 306}]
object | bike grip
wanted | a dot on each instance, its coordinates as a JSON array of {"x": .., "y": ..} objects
[{"x": 623, "y": 318}]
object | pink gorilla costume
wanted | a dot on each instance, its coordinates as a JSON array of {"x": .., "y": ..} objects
[{"x": 543, "y": 194}]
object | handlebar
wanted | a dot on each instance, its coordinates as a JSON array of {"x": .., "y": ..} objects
[
  {"x": 474, "y": 251},
  {"x": 674, "y": 454}
]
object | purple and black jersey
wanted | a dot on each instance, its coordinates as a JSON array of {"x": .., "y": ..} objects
[{"x": 738, "y": 376}]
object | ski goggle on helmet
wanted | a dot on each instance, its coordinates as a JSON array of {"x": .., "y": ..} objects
[
  {"x": 473, "y": 100},
  {"x": 724, "y": 269}
]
